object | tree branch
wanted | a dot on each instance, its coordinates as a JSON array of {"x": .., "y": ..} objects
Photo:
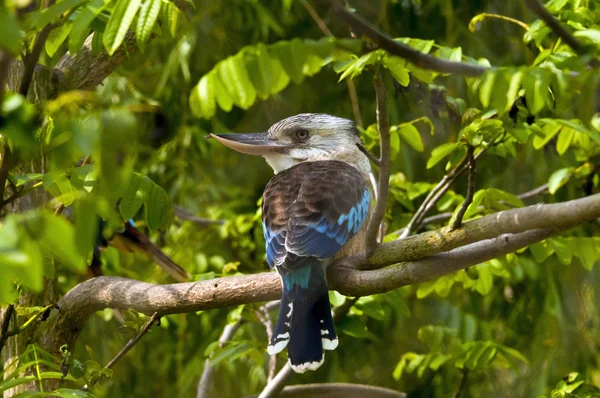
[
  {"x": 402, "y": 50},
  {"x": 84, "y": 70},
  {"x": 338, "y": 390},
  {"x": 383, "y": 125},
  {"x": 204, "y": 385},
  {"x": 133, "y": 341},
  {"x": 542, "y": 13},
  {"x": 457, "y": 221},
  {"x": 482, "y": 239},
  {"x": 5, "y": 323}
]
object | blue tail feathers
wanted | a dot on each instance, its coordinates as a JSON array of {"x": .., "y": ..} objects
[{"x": 305, "y": 325}]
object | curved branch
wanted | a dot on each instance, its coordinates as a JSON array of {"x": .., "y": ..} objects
[
  {"x": 338, "y": 390},
  {"x": 481, "y": 240},
  {"x": 402, "y": 50}
]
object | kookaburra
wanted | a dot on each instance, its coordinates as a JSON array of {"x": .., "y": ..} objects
[{"x": 314, "y": 212}]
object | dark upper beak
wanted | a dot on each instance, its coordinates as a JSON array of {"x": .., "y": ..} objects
[{"x": 252, "y": 144}]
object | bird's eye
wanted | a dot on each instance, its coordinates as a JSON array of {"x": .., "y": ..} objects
[{"x": 301, "y": 134}]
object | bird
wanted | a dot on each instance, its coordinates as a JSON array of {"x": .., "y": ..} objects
[
  {"x": 132, "y": 240},
  {"x": 313, "y": 212}
]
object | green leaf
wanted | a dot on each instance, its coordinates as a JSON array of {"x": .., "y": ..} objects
[
  {"x": 142, "y": 191},
  {"x": 11, "y": 35},
  {"x": 86, "y": 224},
  {"x": 232, "y": 72},
  {"x": 118, "y": 24},
  {"x": 411, "y": 135},
  {"x": 146, "y": 20},
  {"x": 441, "y": 152},
  {"x": 559, "y": 178},
  {"x": 202, "y": 98},
  {"x": 486, "y": 88},
  {"x": 536, "y": 82},
  {"x": 38, "y": 19},
  {"x": 80, "y": 29},
  {"x": 292, "y": 56},
  {"x": 565, "y": 138},
  {"x": 397, "y": 67},
  {"x": 56, "y": 38},
  {"x": 590, "y": 34}
]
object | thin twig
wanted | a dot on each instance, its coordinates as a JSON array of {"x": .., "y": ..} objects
[
  {"x": 369, "y": 155},
  {"x": 5, "y": 322},
  {"x": 5, "y": 166},
  {"x": 542, "y": 189},
  {"x": 463, "y": 382},
  {"x": 273, "y": 388},
  {"x": 265, "y": 318},
  {"x": 351, "y": 86},
  {"x": 422, "y": 60},
  {"x": 383, "y": 125},
  {"x": 442, "y": 186},
  {"x": 205, "y": 382},
  {"x": 133, "y": 341},
  {"x": 538, "y": 9},
  {"x": 19, "y": 329},
  {"x": 457, "y": 221}
]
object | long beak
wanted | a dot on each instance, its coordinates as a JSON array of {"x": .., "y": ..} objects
[{"x": 251, "y": 144}]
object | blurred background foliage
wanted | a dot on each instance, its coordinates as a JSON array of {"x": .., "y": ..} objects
[{"x": 515, "y": 325}]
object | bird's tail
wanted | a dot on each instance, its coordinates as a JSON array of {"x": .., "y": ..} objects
[
  {"x": 305, "y": 324},
  {"x": 136, "y": 241}
]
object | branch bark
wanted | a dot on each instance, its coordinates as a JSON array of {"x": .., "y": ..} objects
[
  {"x": 538, "y": 9},
  {"x": 421, "y": 257},
  {"x": 382, "y": 40}
]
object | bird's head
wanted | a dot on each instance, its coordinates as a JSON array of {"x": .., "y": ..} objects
[{"x": 307, "y": 137}]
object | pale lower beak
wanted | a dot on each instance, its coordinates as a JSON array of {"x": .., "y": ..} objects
[{"x": 252, "y": 144}]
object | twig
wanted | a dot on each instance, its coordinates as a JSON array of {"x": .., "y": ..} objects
[
  {"x": 463, "y": 382},
  {"x": 402, "y": 50},
  {"x": 538, "y": 9},
  {"x": 351, "y": 86},
  {"x": 184, "y": 214},
  {"x": 442, "y": 186},
  {"x": 4, "y": 168},
  {"x": 383, "y": 125},
  {"x": 265, "y": 318},
  {"x": 133, "y": 341},
  {"x": 338, "y": 390},
  {"x": 19, "y": 329},
  {"x": 204, "y": 384},
  {"x": 542, "y": 189},
  {"x": 274, "y": 387},
  {"x": 369, "y": 155},
  {"x": 457, "y": 221},
  {"x": 5, "y": 322}
]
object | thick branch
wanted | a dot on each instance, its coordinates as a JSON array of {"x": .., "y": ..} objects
[
  {"x": 525, "y": 226},
  {"x": 422, "y": 60},
  {"x": 383, "y": 125},
  {"x": 538, "y": 8}
]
